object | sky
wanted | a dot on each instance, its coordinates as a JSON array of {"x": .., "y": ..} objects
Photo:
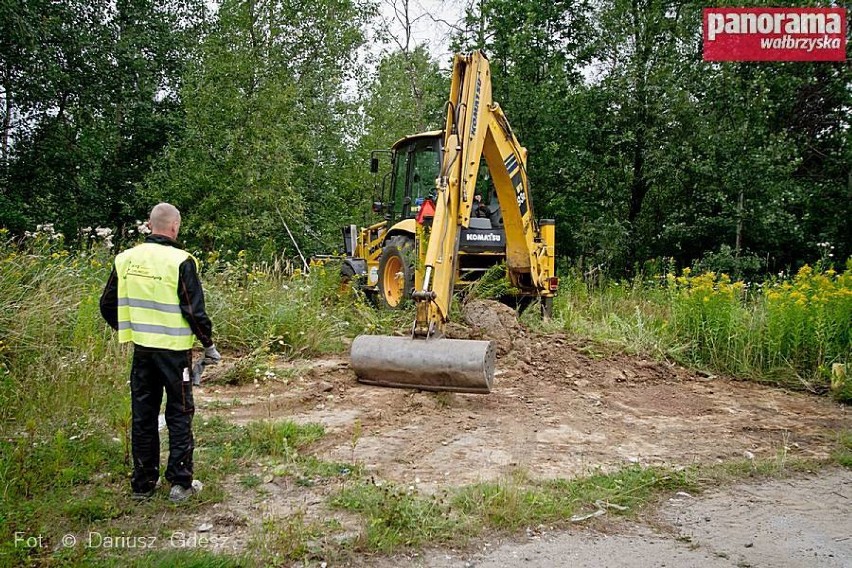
[{"x": 428, "y": 19}]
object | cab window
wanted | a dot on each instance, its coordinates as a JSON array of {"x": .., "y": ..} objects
[{"x": 416, "y": 167}]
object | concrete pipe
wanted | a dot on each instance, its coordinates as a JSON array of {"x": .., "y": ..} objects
[{"x": 456, "y": 365}]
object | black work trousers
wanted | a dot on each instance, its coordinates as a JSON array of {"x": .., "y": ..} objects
[{"x": 153, "y": 371}]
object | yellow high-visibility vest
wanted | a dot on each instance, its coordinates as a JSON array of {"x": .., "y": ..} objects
[{"x": 148, "y": 307}]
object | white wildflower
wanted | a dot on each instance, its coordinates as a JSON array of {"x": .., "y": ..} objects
[{"x": 46, "y": 228}]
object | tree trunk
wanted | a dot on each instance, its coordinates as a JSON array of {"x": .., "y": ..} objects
[
  {"x": 7, "y": 113},
  {"x": 639, "y": 185},
  {"x": 739, "y": 242}
]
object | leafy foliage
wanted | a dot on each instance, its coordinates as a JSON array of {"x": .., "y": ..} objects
[
  {"x": 260, "y": 114},
  {"x": 639, "y": 149},
  {"x": 263, "y": 105},
  {"x": 88, "y": 100}
]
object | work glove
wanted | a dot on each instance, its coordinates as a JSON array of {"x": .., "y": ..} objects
[{"x": 211, "y": 355}]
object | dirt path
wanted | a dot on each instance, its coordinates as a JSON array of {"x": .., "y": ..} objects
[
  {"x": 801, "y": 523},
  {"x": 557, "y": 410}
]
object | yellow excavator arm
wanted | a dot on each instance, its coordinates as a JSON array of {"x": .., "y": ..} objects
[{"x": 475, "y": 127}]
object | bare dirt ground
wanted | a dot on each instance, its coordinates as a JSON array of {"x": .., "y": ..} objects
[{"x": 560, "y": 408}]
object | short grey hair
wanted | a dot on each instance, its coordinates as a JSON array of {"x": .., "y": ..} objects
[{"x": 163, "y": 215}]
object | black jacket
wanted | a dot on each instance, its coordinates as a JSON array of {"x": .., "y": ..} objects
[{"x": 190, "y": 296}]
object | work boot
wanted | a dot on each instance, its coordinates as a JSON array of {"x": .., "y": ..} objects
[
  {"x": 143, "y": 495},
  {"x": 179, "y": 493}
]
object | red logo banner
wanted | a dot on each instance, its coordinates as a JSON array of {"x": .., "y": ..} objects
[{"x": 774, "y": 34}]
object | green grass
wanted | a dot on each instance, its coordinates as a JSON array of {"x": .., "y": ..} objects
[
  {"x": 295, "y": 316},
  {"x": 283, "y": 540},
  {"x": 782, "y": 332},
  {"x": 493, "y": 284},
  {"x": 250, "y": 481},
  {"x": 519, "y": 502},
  {"x": 228, "y": 448},
  {"x": 395, "y": 518},
  {"x": 180, "y": 559},
  {"x": 65, "y": 418},
  {"x": 62, "y": 486},
  {"x": 265, "y": 438},
  {"x": 843, "y": 454},
  {"x": 64, "y": 399}
]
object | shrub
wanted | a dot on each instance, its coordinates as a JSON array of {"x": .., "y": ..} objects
[{"x": 785, "y": 331}]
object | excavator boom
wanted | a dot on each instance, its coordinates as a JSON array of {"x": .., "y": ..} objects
[{"x": 475, "y": 128}]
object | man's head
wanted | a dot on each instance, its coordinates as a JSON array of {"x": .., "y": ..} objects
[{"x": 165, "y": 220}]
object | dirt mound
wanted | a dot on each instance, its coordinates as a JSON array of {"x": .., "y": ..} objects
[{"x": 492, "y": 320}]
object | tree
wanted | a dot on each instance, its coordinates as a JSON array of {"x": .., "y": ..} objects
[
  {"x": 405, "y": 95},
  {"x": 746, "y": 148},
  {"x": 538, "y": 51},
  {"x": 701, "y": 156},
  {"x": 87, "y": 102},
  {"x": 266, "y": 123}
]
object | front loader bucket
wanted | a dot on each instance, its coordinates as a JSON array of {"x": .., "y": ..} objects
[{"x": 457, "y": 365}]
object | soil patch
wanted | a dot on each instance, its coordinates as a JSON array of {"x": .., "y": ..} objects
[{"x": 559, "y": 409}]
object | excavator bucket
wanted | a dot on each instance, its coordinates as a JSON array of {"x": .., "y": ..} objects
[{"x": 455, "y": 365}]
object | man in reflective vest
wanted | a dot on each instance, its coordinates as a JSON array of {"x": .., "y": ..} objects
[{"x": 154, "y": 299}]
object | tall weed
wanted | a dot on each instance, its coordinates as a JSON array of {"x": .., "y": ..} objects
[
  {"x": 64, "y": 399},
  {"x": 784, "y": 331},
  {"x": 293, "y": 314}
]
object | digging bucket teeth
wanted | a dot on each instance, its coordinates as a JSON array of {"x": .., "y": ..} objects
[{"x": 455, "y": 365}]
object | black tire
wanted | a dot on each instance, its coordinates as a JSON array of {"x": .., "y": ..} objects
[
  {"x": 347, "y": 273},
  {"x": 396, "y": 272},
  {"x": 348, "y": 278}
]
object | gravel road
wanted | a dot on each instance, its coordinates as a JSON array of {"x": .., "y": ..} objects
[{"x": 802, "y": 522}]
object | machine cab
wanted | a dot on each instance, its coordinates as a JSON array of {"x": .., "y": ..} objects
[{"x": 415, "y": 164}]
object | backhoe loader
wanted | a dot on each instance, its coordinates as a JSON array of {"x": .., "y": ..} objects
[
  {"x": 380, "y": 258},
  {"x": 423, "y": 255}
]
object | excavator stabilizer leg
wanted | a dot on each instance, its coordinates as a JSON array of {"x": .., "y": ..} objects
[{"x": 456, "y": 365}]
